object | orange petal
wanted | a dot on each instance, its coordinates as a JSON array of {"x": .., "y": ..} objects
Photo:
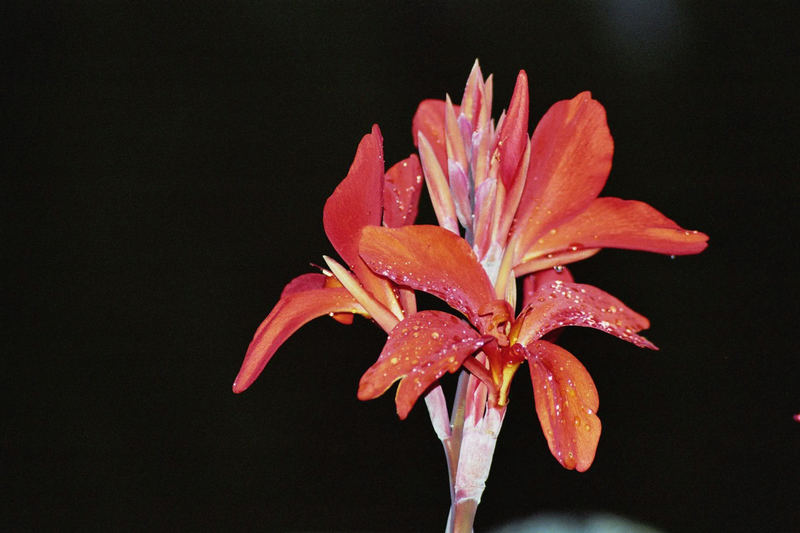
[
  {"x": 430, "y": 259},
  {"x": 615, "y": 223},
  {"x": 429, "y": 119},
  {"x": 303, "y": 299},
  {"x": 566, "y": 403},
  {"x": 419, "y": 350},
  {"x": 401, "y": 189},
  {"x": 571, "y": 152},
  {"x": 574, "y": 304},
  {"x": 512, "y": 137}
]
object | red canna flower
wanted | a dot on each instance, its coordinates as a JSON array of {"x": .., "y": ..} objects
[
  {"x": 426, "y": 345},
  {"x": 366, "y": 196},
  {"x": 527, "y": 206}
]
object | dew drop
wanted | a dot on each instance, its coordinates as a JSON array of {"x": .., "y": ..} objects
[
  {"x": 558, "y": 268},
  {"x": 435, "y": 334}
]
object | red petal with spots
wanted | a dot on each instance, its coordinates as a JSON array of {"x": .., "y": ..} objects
[
  {"x": 615, "y": 223},
  {"x": 402, "y": 186},
  {"x": 303, "y": 299},
  {"x": 419, "y": 351},
  {"x": 533, "y": 282},
  {"x": 430, "y": 259},
  {"x": 573, "y": 304},
  {"x": 571, "y": 152},
  {"x": 566, "y": 403},
  {"x": 429, "y": 119},
  {"x": 512, "y": 138}
]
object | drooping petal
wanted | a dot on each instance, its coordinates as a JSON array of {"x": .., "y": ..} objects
[
  {"x": 419, "y": 350},
  {"x": 429, "y": 120},
  {"x": 616, "y": 223},
  {"x": 357, "y": 202},
  {"x": 402, "y": 186},
  {"x": 566, "y": 403},
  {"x": 574, "y": 304},
  {"x": 512, "y": 137},
  {"x": 571, "y": 152},
  {"x": 430, "y": 259},
  {"x": 303, "y": 299}
]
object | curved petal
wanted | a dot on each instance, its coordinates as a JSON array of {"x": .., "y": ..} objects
[
  {"x": 571, "y": 152},
  {"x": 553, "y": 260},
  {"x": 419, "y": 350},
  {"x": 574, "y": 304},
  {"x": 512, "y": 137},
  {"x": 430, "y": 259},
  {"x": 357, "y": 202},
  {"x": 533, "y": 282},
  {"x": 303, "y": 299},
  {"x": 616, "y": 223},
  {"x": 402, "y": 186},
  {"x": 429, "y": 119},
  {"x": 566, "y": 403}
]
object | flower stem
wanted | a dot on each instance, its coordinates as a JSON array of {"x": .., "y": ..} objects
[{"x": 464, "y": 516}]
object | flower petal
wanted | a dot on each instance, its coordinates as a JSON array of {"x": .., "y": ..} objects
[
  {"x": 303, "y": 299},
  {"x": 512, "y": 137},
  {"x": 402, "y": 186},
  {"x": 616, "y": 223},
  {"x": 438, "y": 188},
  {"x": 430, "y": 259},
  {"x": 533, "y": 282},
  {"x": 574, "y": 304},
  {"x": 566, "y": 403},
  {"x": 357, "y": 202},
  {"x": 571, "y": 152},
  {"x": 419, "y": 350},
  {"x": 429, "y": 119}
]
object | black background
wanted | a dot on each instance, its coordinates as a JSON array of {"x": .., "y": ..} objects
[{"x": 166, "y": 170}]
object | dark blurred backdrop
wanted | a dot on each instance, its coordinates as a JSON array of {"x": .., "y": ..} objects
[{"x": 165, "y": 170}]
